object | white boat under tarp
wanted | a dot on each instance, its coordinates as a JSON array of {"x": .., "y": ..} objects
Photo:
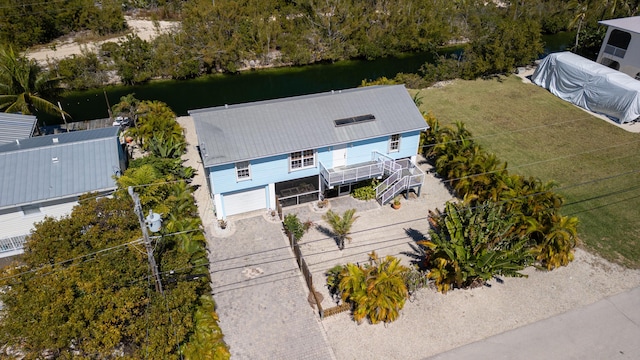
[{"x": 590, "y": 85}]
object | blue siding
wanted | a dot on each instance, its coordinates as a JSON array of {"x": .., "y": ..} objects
[
  {"x": 275, "y": 169},
  {"x": 263, "y": 171}
]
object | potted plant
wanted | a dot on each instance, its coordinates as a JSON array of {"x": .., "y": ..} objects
[{"x": 396, "y": 203}]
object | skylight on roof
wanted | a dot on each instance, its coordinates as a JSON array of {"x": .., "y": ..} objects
[{"x": 354, "y": 120}]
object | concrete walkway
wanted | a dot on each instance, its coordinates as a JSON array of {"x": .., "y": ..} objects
[{"x": 607, "y": 329}]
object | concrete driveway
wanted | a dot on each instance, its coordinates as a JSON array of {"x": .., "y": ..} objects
[{"x": 261, "y": 295}]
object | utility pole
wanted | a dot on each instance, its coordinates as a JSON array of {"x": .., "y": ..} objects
[{"x": 147, "y": 242}]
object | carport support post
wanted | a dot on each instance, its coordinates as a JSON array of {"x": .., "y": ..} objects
[{"x": 147, "y": 242}]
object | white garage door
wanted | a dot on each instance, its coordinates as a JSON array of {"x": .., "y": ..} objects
[{"x": 245, "y": 201}]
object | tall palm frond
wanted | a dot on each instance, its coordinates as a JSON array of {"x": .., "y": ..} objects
[
  {"x": 341, "y": 225},
  {"x": 24, "y": 87}
]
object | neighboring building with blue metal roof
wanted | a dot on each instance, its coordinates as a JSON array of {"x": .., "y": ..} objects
[
  {"x": 16, "y": 127},
  {"x": 303, "y": 148},
  {"x": 45, "y": 175}
]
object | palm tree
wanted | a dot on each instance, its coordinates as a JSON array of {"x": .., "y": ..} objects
[
  {"x": 155, "y": 118},
  {"x": 341, "y": 225},
  {"x": 23, "y": 86},
  {"x": 581, "y": 9},
  {"x": 378, "y": 291},
  {"x": 560, "y": 239}
]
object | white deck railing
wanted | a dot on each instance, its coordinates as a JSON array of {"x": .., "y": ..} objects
[
  {"x": 350, "y": 174},
  {"x": 12, "y": 244},
  {"x": 408, "y": 176}
]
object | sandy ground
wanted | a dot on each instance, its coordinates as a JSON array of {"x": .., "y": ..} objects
[
  {"x": 434, "y": 323},
  {"x": 59, "y": 49}
]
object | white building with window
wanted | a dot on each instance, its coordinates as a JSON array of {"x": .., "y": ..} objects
[
  {"x": 620, "y": 49},
  {"x": 44, "y": 176},
  {"x": 304, "y": 148}
]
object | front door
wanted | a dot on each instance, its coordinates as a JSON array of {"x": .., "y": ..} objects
[{"x": 339, "y": 155}]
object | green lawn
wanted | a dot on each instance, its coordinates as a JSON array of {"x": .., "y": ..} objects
[{"x": 595, "y": 164}]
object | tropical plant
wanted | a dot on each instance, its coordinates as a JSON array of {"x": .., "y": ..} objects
[
  {"x": 24, "y": 87},
  {"x": 376, "y": 290},
  {"x": 556, "y": 248},
  {"x": 479, "y": 177},
  {"x": 171, "y": 148},
  {"x": 127, "y": 107},
  {"x": 294, "y": 226},
  {"x": 149, "y": 183},
  {"x": 206, "y": 342},
  {"x": 154, "y": 119},
  {"x": 468, "y": 246},
  {"x": 333, "y": 281},
  {"x": 341, "y": 225},
  {"x": 166, "y": 166},
  {"x": 365, "y": 190}
]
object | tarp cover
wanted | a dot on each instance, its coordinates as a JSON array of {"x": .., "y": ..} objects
[{"x": 590, "y": 85}]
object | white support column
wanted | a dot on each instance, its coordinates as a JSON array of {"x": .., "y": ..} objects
[
  {"x": 272, "y": 196},
  {"x": 217, "y": 198}
]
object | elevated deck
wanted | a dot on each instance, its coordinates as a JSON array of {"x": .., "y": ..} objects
[{"x": 352, "y": 173}]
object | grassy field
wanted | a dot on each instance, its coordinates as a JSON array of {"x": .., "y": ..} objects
[{"x": 595, "y": 164}]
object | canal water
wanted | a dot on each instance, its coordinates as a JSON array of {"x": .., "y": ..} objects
[{"x": 264, "y": 84}]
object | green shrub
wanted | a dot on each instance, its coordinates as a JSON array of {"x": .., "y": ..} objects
[
  {"x": 365, "y": 190},
  {"x": 333, "y": 281},
  {"x": 294, "y": 226}
]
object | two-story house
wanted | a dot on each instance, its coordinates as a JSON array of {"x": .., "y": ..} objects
[
  {"x": 303, "y": 148},
  {"x": 44, "y": 176}
]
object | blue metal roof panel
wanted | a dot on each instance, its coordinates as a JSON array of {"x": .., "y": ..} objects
[
  {"x": 16, "y": 126},
  {"x": 229, "y": 134},
  {"x": 59, "y": 170}
]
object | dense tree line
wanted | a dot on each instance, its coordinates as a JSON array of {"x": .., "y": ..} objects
[
  {"x": 227, "y": 35},
  {"x": 24, "y": 23}
]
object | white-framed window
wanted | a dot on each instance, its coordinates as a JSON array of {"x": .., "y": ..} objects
[
  {"x": 394, "y": 143},
  {"x": 243, "y": 170},
  {"x": 302, "y": 159},
  {"x": 30, "y": 210}
]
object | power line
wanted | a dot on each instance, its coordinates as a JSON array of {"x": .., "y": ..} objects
[
  {"x": 69, "y": 260},
  {"x": 193, "y": 230}
]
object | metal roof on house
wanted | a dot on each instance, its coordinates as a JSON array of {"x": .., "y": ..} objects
[
  {"x": 629, "y": 23},
  {"x": 233, "y": 133},
  {"x": 58, "y": 166},
  {"x": 16, "y": 126}
]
